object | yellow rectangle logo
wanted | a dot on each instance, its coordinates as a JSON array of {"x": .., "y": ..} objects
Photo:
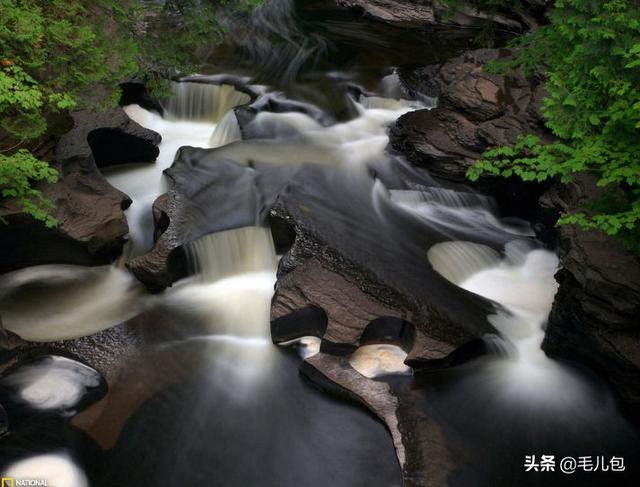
[{"x": 8, "y": 482}]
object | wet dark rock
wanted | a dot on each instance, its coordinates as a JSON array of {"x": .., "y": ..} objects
[
  {"x": 433, "y": 14},
  {"x": 358, "y": 267},
  {"x": 208, "y": 194},
  {"x": 476, "y": 111},
  {"x": 134, "y": 92},
  {"x": 111, "y": 137},
  {"x": 276, "y": 104},
  {"x": 422, "y": 452},
  {"x": 595, "y": 313},
  {"x": 238, "y": 82},
  {"x": 92, "y": 227}
]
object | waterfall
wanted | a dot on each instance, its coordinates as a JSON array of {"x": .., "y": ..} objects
[
  {"x": 227, "y": 131},
  {"x": 202, "y": 102},
  {"x": 232, "y": 252},
  {"x": 522, "y": 284},
  {"x": 230, "y": 296},
  {"x": 300, "y": 138},
  {"x": 232, "y": 288}
]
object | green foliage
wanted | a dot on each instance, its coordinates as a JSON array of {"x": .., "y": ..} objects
[
  {"x": 58, "y": 55},
  {"x": 590, "y": 52},
  {"x": 17, "y": 173}
]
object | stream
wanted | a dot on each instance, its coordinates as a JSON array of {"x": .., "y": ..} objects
[{"x": 198, "y": 393}]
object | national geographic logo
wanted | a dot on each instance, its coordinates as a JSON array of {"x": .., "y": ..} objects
[{"x": 11, "y": 482}]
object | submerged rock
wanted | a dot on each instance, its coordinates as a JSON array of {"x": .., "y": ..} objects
[
  {"x": 595, "y": 313},
  {"x": 92, "y": 227}
]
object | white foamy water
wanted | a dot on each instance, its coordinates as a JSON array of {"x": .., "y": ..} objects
[
  {"x": 58, "y": 470},
  {"x": 52, "y": 383},
  {"x": 303, "y": 139},
  {"x": 231, "y": 295},
  {"x": 191, "y": 118},
  {"x": 58, "y": 302},
  {"x": 146, "y": 182},
  {"x": 523, "y": 284}
]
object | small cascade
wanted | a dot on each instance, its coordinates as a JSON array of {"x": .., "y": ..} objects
[
  {"x": 441, "y": 197},
  {"x": 226, "y": 132},
  {"x": 231, "y": 253},
  {"x": 144, "y": 183},
  {"x": 379, "y": 102},
  {"x": 457, "y": 261},
  {"x": 460, "y": 213},
  {"x": 300, "y": 138},
  {"x": 202, "y": 102},
  {"x": 230, "y": 296},
  {"x": 522, "y": 283}
]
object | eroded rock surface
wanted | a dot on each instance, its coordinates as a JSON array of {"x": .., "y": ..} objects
[
  {"x": 476, "y": 110},
  {"x": 595, "y": 313},
  {"x": 207, "y": 195},
  {"x": 432, "y": 13},
  {"x": 358, "y": 266},
  {"x": 92, "y": 227},
  {"x": 421, "y": 448}
]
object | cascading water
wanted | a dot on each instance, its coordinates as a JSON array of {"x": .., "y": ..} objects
[
  {"x": 191, "y": 119},
  {"x": 209, "y": 386},
  {"x": 202, "y": 102}
]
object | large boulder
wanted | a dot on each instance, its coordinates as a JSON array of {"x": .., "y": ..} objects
[
  {"x": 476, "y": 111},
  {"x": 207, "y": 194},
  {"x": 110, "y": 138},
  {"x": 358, "y": 257},
  {"x": 92, "y": 227},
  {"x": 595, "y": 313}
]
